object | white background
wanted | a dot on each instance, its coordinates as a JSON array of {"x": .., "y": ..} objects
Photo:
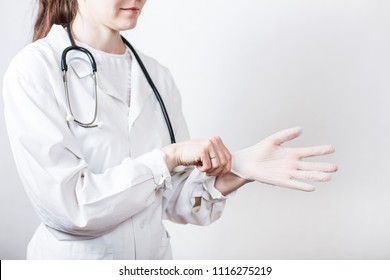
[{"x": 247, "y": 69}]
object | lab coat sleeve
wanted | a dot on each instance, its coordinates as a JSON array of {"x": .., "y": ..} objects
[
  {"x": 66, "y": 194},
  {"x": 191, "y": 185}
]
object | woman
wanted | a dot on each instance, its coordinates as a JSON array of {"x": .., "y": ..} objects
[{"x": 102, "y": 191}]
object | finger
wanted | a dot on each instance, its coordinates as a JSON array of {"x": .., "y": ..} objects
[
  {"x": 312, "y": 176},
  {"x": 316, "y": 166},
  {"x": 210, "y": 160},
  {"x": 218, "y": 164},
  {"x": 314, "y": 151},
  {"x": 215, "y": 171},
  {"x": 228, "y": 165},
  {"x": 285, "y": 135},
  {"x": 296, "y": 185},
  {"x": 205, "y": 163},
  {"x": 216, "y": 155},
  {"x": 223, "y": 155},
  {"x": 216, "y": 167}
]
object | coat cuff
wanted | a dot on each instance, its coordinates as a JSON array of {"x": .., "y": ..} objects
[
  {"x": 155, "y": 160},
  {"x": 209, "y": 192}
]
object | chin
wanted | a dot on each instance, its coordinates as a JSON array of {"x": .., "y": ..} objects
[{"x": 127, "y": 26}]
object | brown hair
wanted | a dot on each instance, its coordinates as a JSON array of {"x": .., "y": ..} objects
[{"x": 53, "y": 12}]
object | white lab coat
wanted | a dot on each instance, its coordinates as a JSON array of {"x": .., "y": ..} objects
[{"x": 100, "y": 193}]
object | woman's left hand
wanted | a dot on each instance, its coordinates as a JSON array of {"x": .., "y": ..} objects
[
  {"x": 268, "y": 162},
  {"x": 208, "y": 155}
]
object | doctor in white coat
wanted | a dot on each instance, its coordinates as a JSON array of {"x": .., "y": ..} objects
[{"x": 102, "y": 192}]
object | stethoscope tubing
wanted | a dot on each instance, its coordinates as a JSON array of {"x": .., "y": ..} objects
[{"x": 155, "y": 90}]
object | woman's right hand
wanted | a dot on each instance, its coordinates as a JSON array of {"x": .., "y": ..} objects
[{"x": 208, "y": 155}]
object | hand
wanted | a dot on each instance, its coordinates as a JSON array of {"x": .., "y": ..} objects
[
  {"x": 208, "y": 155},
  {"x": 268, "y": 162}
]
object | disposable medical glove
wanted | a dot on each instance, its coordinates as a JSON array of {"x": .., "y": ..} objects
[{"x": 270, "y": 163}]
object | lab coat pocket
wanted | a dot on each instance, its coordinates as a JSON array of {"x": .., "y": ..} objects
[
  {"x": 165, "y": 252},
  {"x": 165, "y": 239}
]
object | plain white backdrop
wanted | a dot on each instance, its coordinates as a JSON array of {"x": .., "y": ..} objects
[{"x": 247, "y": 69}]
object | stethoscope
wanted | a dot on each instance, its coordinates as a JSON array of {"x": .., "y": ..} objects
[{"x": 64, "y": 67}]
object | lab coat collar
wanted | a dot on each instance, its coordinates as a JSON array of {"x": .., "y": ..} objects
[
  {"x": 59, "y": 38},
  {"x": 140, "y": 88}
]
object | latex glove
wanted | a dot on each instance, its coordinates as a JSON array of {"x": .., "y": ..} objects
[{"x": 270, "y": 163}]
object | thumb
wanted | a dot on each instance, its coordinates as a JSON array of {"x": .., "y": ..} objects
[{"x": 285, "y": 135}]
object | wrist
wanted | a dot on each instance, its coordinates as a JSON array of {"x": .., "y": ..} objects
[
  {"x": 229, "y": 183},
  {"x": 170, "y": 156}
]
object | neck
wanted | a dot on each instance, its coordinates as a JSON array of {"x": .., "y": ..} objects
[{"x": 100, "y": 38}]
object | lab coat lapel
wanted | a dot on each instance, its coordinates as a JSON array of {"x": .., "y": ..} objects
[
  {"x": 76, "y": 60},
  {"x": 140, "y": 91}
]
